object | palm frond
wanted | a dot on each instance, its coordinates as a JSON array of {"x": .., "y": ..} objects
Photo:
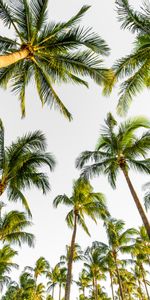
[
  {"x": 21, "y": 237},
  {"x": 7, "y": 17},
  {"x": 62, "y": 199},
  {"x": 147, "y": 196},
  {"x": 23, "y": 18},
  {"x": 86, "y": 63},
  {"x": 130, "y": 88},
  {"x": 70, "y": 219},
  {"x": 6, "y": 73},
  {"x": 142, "y": 166},
  {"x": 53, "y": 29},
  {"x": 131, "y": 19},
  {"x": 20, "y": 80},
  {"x": 39, "y": 11},
  {"x": 6, "y": 44},
  {"x": 83, "y": 225},
  {"x": 46, "y": 91},
  {"x": 15, "y": 194}
]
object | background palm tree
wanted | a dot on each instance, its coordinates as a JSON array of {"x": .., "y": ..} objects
[
  {"x": 20, "y": 163},
  {"x": 51, "y": 52},
  {"x": 120, "y": 150},
  {"x": 135, "y": 66},
  {"x": 82, "y": 202},
  {"x": 6, "y": 264},
  {"x": 41, "y": 267}
]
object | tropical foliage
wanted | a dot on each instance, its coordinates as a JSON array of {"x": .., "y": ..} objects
[{"x": 48, "y": 51}]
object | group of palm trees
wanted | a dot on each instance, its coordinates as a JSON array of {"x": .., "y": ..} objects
[{"x": 66, "y": 52}]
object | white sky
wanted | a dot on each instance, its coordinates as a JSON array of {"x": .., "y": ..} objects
[{"x": 67, "y": 140}]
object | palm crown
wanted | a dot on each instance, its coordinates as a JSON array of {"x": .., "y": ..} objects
[
  {"x": 19, "y": 165},
  {"x": 52, "y": 52},
  {"x": 120, "y": 149},
  {"x": 135, "y": 66}
]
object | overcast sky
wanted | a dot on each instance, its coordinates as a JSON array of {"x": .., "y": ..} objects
[{"x": 66, "y": 140}]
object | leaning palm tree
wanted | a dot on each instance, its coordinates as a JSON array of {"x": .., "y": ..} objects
[
  {"x": 20, "y": 163},
  {"x": 135, "y": 67},
  {"x": 120, "y": 149},
  {"x": 51, "y": 52},
  {"x": 82, "y": 202}
]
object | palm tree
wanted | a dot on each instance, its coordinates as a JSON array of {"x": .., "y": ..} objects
[
  {"x": 84, "y": 281},
  {"x": 19, "y": 165},
  {"x": 82, "y": 202},
  {"x": 118, "y": 240},
  {"x": 51, "y": 52},
  {"x": 120, "y": 150},
  {"x": 41, "y": 267},
  {"x": 25, "y": 290},
  {"x": 95, "y": 268},
  {"x": 136, "y": 65},
  {"x": 6, "y": 264}
]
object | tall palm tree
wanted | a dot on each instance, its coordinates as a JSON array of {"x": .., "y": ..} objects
[
  {"x": 136, "y": 65},
  {"x": 120, "y": 149},
  {"x": 82, "y": 202},
  {"x": 51, "y": 52},
  {"x": 20, "y": 163}
]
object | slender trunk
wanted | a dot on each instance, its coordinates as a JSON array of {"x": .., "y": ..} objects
[
  {"x": 140, "y": 290},
  {"x": 96, "y": 290},
  {"x": 137, "y": 201},
  {"x": 9, "y": 59},
  {"x": 112, "y": 287},
  {"x": 53, "y": 292},
  {"x": 118, "y": 277},
  {"x": 144, "y": 282},
  {"x": 60, "y": 291},
  {"x": 70, "y": 261}
]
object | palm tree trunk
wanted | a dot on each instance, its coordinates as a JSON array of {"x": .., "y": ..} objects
[
  {"x": 9, "y": 59},
  {"x": 112, "y": 287},
  {"x": 118, "y": 277},
  {"x": 70, "y": 261},
  {"x": 137, "y": 201},
  {"x": 144, "y": 282},
  {"x": 60, "y": 291}
]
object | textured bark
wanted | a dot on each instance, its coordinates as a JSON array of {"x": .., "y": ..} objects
[
  {"x": 9, "y": 59},
  {"x": 137, "y": 201},
  {"x": 70, "y": 261}
]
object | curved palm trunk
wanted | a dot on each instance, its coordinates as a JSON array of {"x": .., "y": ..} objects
[
  {"x": 112, "y": 287},
  {"x": 137, "y": 201},
  {"x": 118, "y": 277},
  {"x": 9, "y": 59},
  {"x": 70, "y": 261}
]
